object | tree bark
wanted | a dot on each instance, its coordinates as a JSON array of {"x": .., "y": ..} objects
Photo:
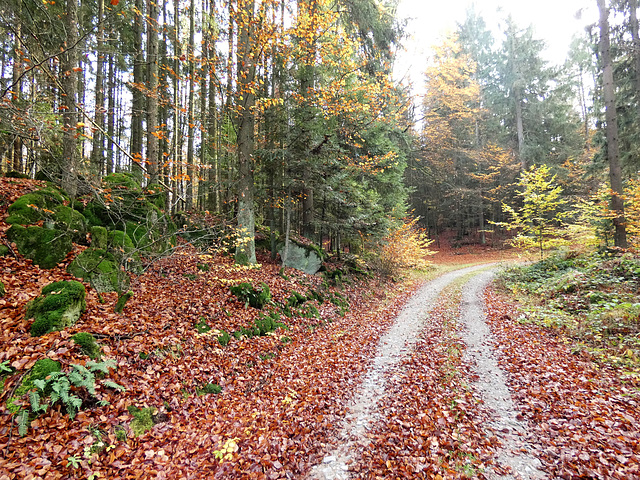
[
  {"x": 97, "y": 147},
  {"x": 245, "y": 250},
  {"x": 152, "y": 96},
  {"x": 613, "y": 155},
  {"x": 633, "y": 20},
  {"x": 137, "y": 104},
  {"x": 70, "y": 108}
]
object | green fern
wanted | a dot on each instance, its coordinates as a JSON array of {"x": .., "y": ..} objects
[
  {"x": 23, "y": 422},
  {"x": 113, "y": 385},
  {"x": 57, "y": 387}
]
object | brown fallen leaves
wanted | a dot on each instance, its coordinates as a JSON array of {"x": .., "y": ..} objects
[
  {"x": 282, "y": 398},
  {"x": 584, "y": 418}
]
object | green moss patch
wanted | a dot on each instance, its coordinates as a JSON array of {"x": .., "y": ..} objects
[
  {"x": 59, "y": 306},
  {"x": 101, "y": 269},
  {"x": 46, "y": 247},
  {"x": 88, "y": 344},
  {"x": 142, "y": 419}
]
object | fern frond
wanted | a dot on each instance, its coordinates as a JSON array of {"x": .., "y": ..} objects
[
  {"x": 114, "y": 385},
  {"x": 103, "y": 366},
  {"x": 23, "y": 422}
]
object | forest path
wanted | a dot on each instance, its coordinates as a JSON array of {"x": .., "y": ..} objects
[{"x": 397, "y": 344}]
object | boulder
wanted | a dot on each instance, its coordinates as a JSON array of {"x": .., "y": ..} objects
[
  {"x": 301, "y": 257},
  {"x": 101, "y": 269},
  {"x": 59, "y": 306},
  {"x": 45, "y": 246}
]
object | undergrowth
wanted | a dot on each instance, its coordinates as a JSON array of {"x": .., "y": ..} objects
[{"x": 594, "y": 298}]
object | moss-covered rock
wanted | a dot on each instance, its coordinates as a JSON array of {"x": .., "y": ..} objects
[
  {"x": 40, "y": 370},
  {"x": 35, "y": 206},
  {"x": 124, "y": 205},
  {"x": 121, "y": 245},
  {"x": 46, "y": 247},
  {"x": 59, "y": 306},
  {"x": 156, "y": 194},
  {"x": 101, "y": 269},
  {"x": 70, "y": 221},
  {"x": 87, "y": 344},
  {"x": 99, "y": 237}
]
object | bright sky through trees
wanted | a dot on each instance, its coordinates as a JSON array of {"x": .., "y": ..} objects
[{"x": 554, "y": 21}]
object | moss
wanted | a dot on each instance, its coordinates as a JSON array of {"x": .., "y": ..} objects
[
  {"x": 122, "y": 181},
  {"x": 99, "y": 237},
  {"x": 122, "y": 301},
  {"x": 34, "y": 206},
  {"x": 87, "y": 344},
  {"x": 46, "y": 247},
  {"x": 66, "y": 218},
  {"x": 256, "y": 297},
  {"x": 4, "y": 250},
  {"x": 40, "y": 370},
  {"x": 209, "y": 388},
  {"x": 101, "y": 269},
  {"x": 156, "y": 194},
  {"x": 142, "y": 419},
  {"x": 59, "y": 306},
  {"x": 3, "y": 291},
  {"x": 15, "y": 174}
]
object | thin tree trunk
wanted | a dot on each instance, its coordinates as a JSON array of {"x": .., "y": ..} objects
[
  {"x": 191, "y": 124},
  {"x": 137, "y": 104},
  {"x": 152, "y": 96},
  {"x": 633, "y": 11},
  {"x": 111, "y": 119},
  {"x": 615, "y": 172},
  {"x": 69, "y": 82},
  {"x": 97, "y": 147}
]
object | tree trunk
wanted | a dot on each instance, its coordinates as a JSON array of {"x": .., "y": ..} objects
[
  {"x": 137, "y": 104},
  {"x": 633, "y": 12},
  {"x": 70, "y": 109},
  {"x": 191, "y": 124},
  {"x": 613, "y": 155},
  {"x": 245, "y": 250},
  {"x": 97, "y": 147},
  {"x": 152, "y": 97}
]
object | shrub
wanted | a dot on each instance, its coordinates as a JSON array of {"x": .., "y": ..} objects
[{"x": 405, "y": 248}]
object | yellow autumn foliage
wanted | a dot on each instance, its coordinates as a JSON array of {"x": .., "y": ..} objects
[{"x": 405, "y": 248}]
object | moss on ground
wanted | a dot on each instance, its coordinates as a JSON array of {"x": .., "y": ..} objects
[{"x": 87, "y": 344}]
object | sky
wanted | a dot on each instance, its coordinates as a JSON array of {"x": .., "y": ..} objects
[{"x": 553, "y": 21}]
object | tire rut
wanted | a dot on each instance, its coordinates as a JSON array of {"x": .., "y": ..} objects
[{"x": 393, "y": 347}]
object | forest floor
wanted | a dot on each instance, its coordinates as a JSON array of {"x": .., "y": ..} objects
[{"x": 425, "y": 378}]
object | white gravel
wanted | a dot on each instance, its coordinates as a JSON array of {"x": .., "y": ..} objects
[
  {"x": 393, "y": 347},
  {"x": 492, "y": 387}
]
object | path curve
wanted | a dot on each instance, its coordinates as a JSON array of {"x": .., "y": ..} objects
[{"x": 392, "y": 349}]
